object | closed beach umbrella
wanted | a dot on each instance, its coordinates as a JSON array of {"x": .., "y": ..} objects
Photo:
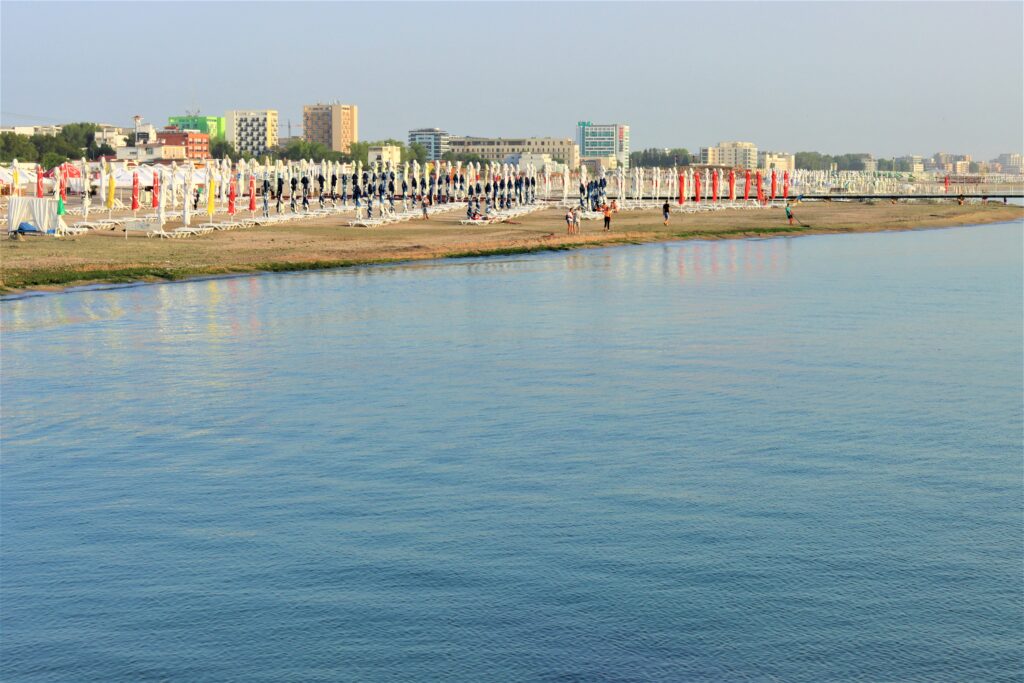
[
  {"x": 135, "y": 191},
  {"x": 785, "y": 184},
  {"x": 682, "y": 188},
  {"x": 947, "y": 184},
  {"x": 231, "y": 196},
  {"x": 162, "y": 202},
  {"x": 111, "y": 187},
  {"x": 732, "y": 185},
  {"x": 210, "y": 192},
  {"x": 186, "y": 205},
  {"x": 760, "y": 187},
  {"x": 773, "y": 184},
  {"x": 696, "y": 187},
  {"x": 714, "y": 185},
  {"x": 86, "y": 199},
  {"x": 39, "y": 181},
  {"x": 156, "y": 190},
  {"x": 252, "y": 193},
  {"x": 15, "y": 179}
]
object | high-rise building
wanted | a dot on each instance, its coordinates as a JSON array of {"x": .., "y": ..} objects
[
  {"x": 211, "y": 125},
  {"x": 334, "y": 125},
  {"x": 251, "y": 130},
  {"x": 434, "y": 140},
  {"x": 735, "y": 154},
  {"x": 1011, "y": 162},
  {"x": 496, "y": 149},
  {"x": 604, "y": 140}
]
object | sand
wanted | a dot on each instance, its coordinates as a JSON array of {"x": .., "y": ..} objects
[{"x": 106, "y": 256}]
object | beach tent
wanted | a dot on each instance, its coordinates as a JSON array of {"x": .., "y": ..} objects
[{"x": 34, "y": 215}]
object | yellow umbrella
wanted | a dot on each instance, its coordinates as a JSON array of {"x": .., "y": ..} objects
[
  {"x": 111, "y": 186},
  {"x": 16, "y": 180},
  {"x": 211, "y": 187}
]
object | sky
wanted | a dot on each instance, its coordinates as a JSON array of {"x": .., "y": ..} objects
[{"x": 884, "y": 78}]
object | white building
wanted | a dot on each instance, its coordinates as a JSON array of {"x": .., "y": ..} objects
[
  {"x": 604, "y": 140},
  {"x": 28, "y": 131},
  {"x": 385, "y": 154},
  {"x": 251, "y": 130},
  {"x": 434, "y": 140},
  {"x": 733, "y": 153},
  {"x": 152, "y": 152},
  {"x": 780, "y": 161}
]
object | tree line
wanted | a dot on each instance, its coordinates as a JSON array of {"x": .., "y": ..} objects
[{"x": 74, "y": 141}]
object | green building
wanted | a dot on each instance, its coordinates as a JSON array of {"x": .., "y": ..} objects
[{"x": 211, "y": 125}]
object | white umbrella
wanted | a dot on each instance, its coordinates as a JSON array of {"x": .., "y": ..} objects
[
  {"x": 162, "y": 199},
  {"x": 186, "y": 208},
  {"x": 86, "y": 200}
]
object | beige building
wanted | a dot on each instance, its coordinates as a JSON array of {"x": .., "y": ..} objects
[
  {"x": 251, "y": 130},
  {"x": 333, "y": 125},
  {"x": 496, "y": 149},
  {"x": 734, "y": 154},
  {"x": 385, "y": 154},
  {"x": 780, "y": 161},
  {"x": 594, "y": 164},
  {"x": 152, "y": 152}
]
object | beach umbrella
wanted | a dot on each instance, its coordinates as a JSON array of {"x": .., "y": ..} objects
[
  {"x": 86, "y": 199},
  {"x": 211, "y": 186},
  {"x": 760, "y": 188},
  {"x": 252, "y": 194},
  {"x": 162, "y": 201},
  {"x": 714, "y": 185},
  {"x": 111, "y": 188},
  {"x": 696, "y": 187},
  {"x": 773, "y": 184},
  {"x": 785, "y": 184},
  {"x": 186, "y": 205},
  {"x": 15, "y": 179},
  {"x": 135, "y": 191},
  {"x": 947, "y": 184},
  {"x": 746, "y": 184},
  {"x": 682, "y": 188},
  {"x": 39, "y": 181},
  {"x": 732, "y": 185},
  {"x": 231, "y": 196},
  {"x": 156, "y": 190}
]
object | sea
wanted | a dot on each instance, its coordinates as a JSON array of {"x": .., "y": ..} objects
[{"x": 791, "y": 459}]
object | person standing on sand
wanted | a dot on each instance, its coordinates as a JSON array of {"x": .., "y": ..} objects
[
  {"x": 576, "y": 215},
  {"x": 568, "y": 222},
  {"x": 665, "y": 212},
  {"x": 607, "y": 211},
  {"x": 789, "y": 213},
  {"x": 423, "y": 206}
]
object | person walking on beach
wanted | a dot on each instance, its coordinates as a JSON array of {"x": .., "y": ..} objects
[
  {"x": 665, "y": 212},
  {"x": 607, "y": 211},
  {"x": 789, "y": 213},
  {"x": 423, "y": 206}
]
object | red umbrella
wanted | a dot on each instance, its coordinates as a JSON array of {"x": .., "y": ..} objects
[
  {"x": 696, "y": 187},
  {"x": 947, "y": 184},
  {"x": 252, "y": 193},
  {"x": 760, "y": 188},
  {"x": 732, "y": 185},
  {"x": 682, "y": 188},
  {"x": 156, "y": 190},
  {"x": 714, "y": 185},
  {"x": 135, "y": 191},
  {"x": 231, "y": 197},
  {"x": 39, "y": 180},
  {"x": 746, "y": 185},
  {"x": 785, "y": 184},
  {"x": 773, "y": 184},
  {"x": 63, "y": 187}
]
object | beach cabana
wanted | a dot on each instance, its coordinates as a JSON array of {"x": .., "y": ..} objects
[{"x": 34, "y": 215}]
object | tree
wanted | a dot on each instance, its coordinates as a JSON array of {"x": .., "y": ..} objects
[
  {"x": 13, "y": 146},
  {"x": 80, "y": 135},
  {"x": 660, "y": 158},
  {"x": 464, "y": 158},
  {"x": 222, "y": 149},
  {"x": 96, "y": 151},
  {"x": 415, "y": 152},
  {"x": 302, "y": 149},
  {"x": 51, "y": 159}
]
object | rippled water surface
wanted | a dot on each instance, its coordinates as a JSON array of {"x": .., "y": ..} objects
[{"x": 779, "y": 460}]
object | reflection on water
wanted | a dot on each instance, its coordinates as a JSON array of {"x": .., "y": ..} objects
[{"x": 786, "y": 459}]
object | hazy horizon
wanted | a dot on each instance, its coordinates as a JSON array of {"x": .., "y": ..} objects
[{"x": 885, "y": 78}]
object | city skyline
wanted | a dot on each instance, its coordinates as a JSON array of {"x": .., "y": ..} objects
[{"x": 899, "y": 91}]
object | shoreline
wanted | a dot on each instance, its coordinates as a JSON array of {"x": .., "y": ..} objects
[{"x": 38, "y": 275}]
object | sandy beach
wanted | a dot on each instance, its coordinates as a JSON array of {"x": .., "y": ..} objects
[{"x": 106, "y": 256}]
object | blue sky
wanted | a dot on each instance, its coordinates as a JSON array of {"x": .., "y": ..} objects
[{"x": 886, "y": 78}]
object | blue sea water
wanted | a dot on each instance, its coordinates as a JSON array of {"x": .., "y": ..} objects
[{"x": 777, "y": 460}]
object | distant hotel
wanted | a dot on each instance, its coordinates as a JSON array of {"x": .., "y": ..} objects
[
  {"x": 496, "y": 149},
  {"x": 335, "y": 125},
  {"x": 733, "y": 154},
  {"x": 434, "y": 140},
  {"x": 253, "y": 131},
  {"x": 602, "y": 141}
]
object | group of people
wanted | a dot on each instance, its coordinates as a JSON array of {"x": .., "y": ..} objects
[{"x": 574, "y": 215}]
